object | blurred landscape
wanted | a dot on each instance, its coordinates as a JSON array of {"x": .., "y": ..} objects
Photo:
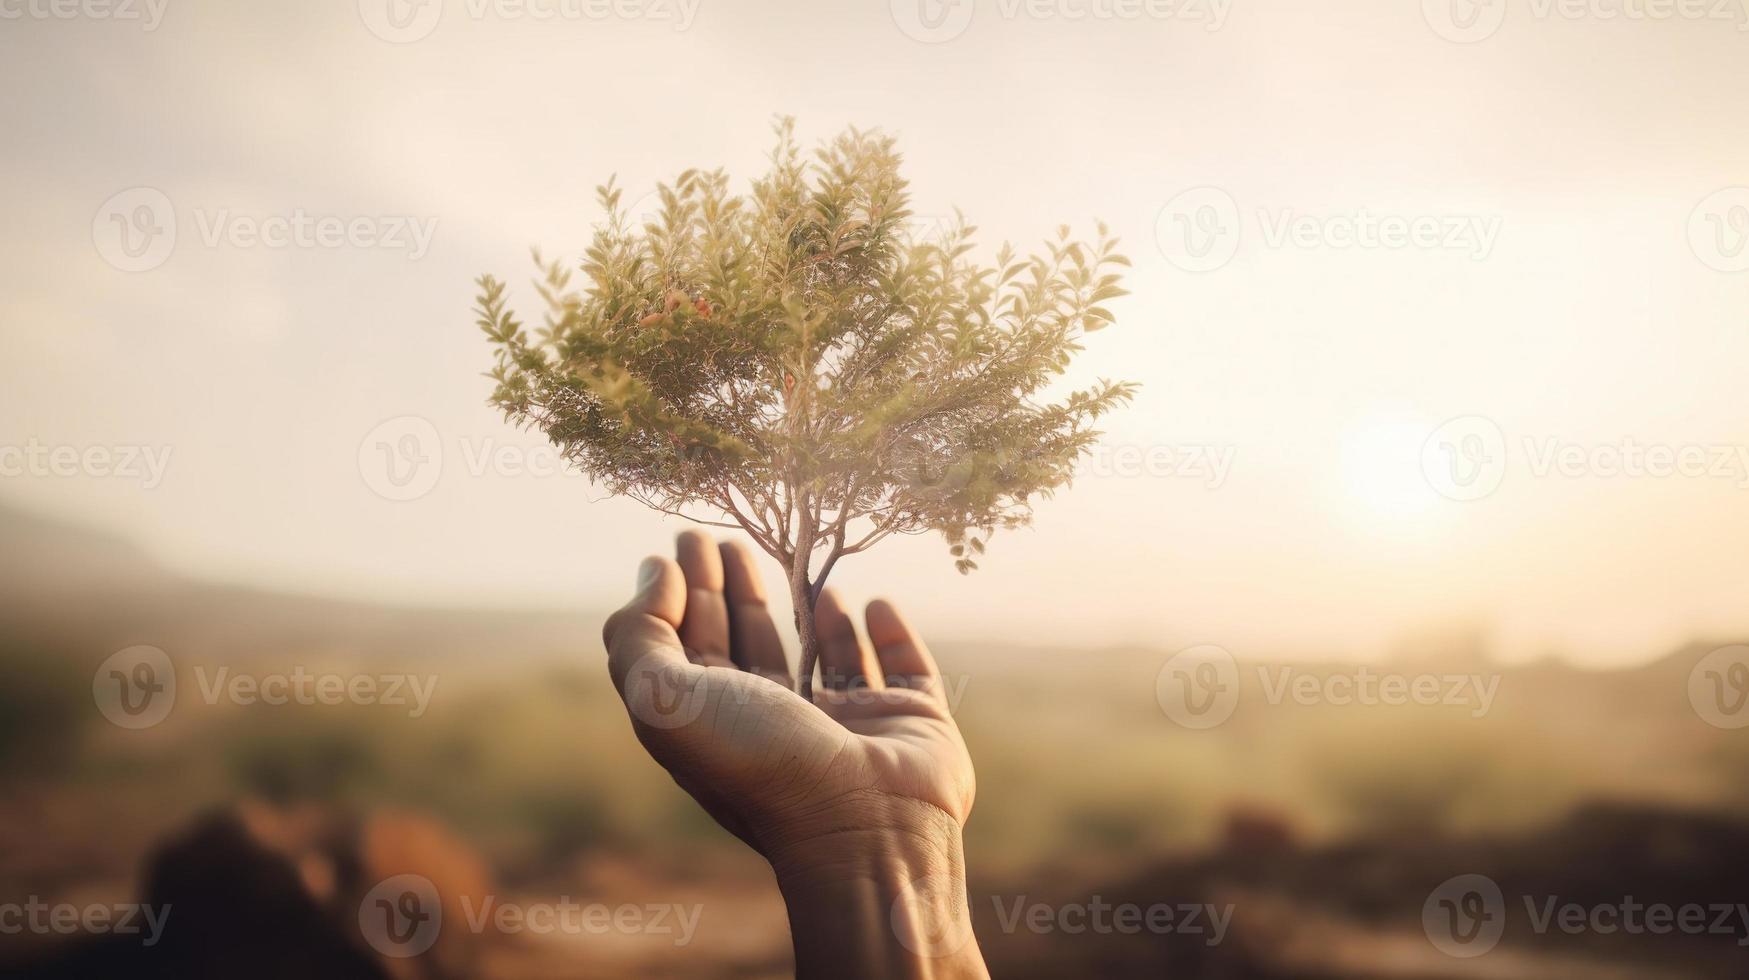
[
  {"x": 1439, "y": 313},
  {"x": 1323, "y": 828}
]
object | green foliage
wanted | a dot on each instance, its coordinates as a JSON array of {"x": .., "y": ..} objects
[{"x": 797, "y": 362}]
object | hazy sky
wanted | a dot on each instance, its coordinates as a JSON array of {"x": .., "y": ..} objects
[{"x": 1575, "y": 294}]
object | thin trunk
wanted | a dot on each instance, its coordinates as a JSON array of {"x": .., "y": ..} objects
[{"x": 801, "y": 594}]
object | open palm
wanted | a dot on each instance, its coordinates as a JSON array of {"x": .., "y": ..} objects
[{"x": 697, "y": 659}]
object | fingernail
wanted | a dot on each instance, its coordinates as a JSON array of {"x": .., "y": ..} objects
[{"x": 648, "y": 572}]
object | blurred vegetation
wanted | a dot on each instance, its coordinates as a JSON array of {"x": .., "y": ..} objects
[
  {"x": 531, "y": 759},
  {"x": 45, "y": 701}
]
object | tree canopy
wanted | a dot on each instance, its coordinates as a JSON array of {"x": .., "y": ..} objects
[{"x": 797, "y": 363}]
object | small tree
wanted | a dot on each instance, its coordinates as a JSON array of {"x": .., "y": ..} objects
[{"x": 801, "y": 365}]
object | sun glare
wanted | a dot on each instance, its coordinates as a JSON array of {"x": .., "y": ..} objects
[{"x": 1383, "y": 474}]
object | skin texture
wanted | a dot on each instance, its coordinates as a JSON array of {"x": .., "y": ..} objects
[{"x": 856, "y": 799}]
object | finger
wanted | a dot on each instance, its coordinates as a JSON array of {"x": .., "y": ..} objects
[
  {"x": 844, "y": 660},
  {"x": 904, "y": 660},
  {"x": 704, "y": 630},
  {"x": 754, "y": 643},
  {"x": 643, "y": 630}
]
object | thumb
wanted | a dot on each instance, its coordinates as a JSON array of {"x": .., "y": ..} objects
[{"x": 645, "y": 626}]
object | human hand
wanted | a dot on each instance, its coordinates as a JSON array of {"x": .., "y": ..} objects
[{"x": 856, "y": 798}]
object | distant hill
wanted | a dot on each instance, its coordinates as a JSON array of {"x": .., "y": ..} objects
[
  {"x": 45, "y": 555},
  {"x": 60, "y": 578}
]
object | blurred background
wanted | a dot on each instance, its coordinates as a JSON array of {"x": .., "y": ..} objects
[{"x": 1407, "y": 601}]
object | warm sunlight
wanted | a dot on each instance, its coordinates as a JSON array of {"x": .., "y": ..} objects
[
  {"x": 1384, "y": 473},
  {"x": 965, "y": 488}
]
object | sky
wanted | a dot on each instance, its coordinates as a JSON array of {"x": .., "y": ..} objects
[{"x": 1440, "y": 310}]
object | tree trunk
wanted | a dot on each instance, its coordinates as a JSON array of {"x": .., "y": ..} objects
[{"x": 801, "y": 594}]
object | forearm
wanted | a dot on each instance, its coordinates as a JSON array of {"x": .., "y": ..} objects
[{"x": 881, "y": 903}]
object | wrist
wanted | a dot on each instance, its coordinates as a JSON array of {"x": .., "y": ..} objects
[{"x": 879, "y": 890}]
